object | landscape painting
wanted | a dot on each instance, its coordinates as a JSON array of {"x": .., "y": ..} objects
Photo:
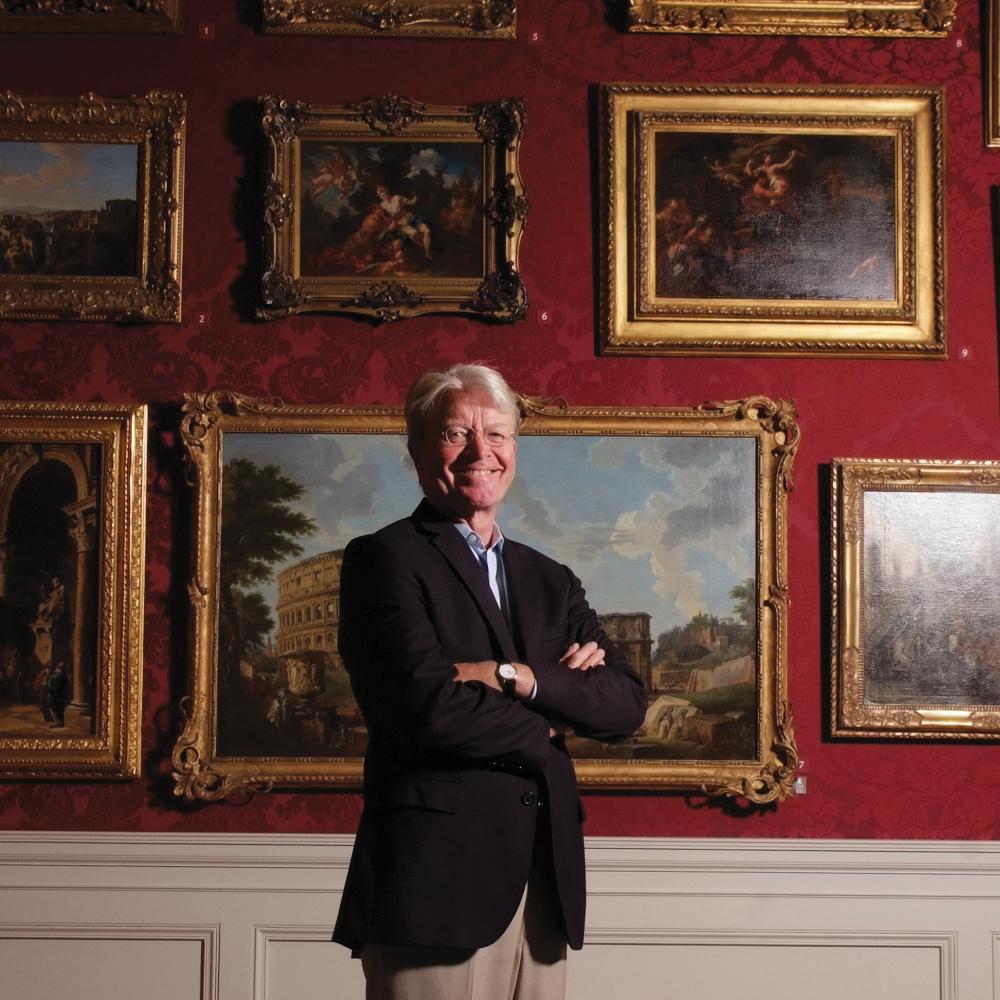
[
  {"x": 673, "y": 524},
  {"x": 915, "y": 616},
  {"x": 68, "y": 208},
  {"x": 753, "y": 215},
  {"x": 668, "y": 565},
  {"x": 392, "y": 209}
]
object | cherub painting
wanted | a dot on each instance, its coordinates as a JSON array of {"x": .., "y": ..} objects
[
  {"x": 392, "y": 209},
  {"x": 774, "y": 216}
]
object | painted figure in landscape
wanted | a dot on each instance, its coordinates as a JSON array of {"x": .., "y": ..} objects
[
  {"x": 392, "y": 209},
  {"x": 758, "y": 216}
]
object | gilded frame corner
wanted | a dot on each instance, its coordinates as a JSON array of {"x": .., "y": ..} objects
[
  {"x": 393, "y": 18},
  {"x": 879, "y": 18},
  {"x": 100, "y": 448},
  {"x": 383, "y": 291},
  {"x": 647, "y": 310},
  {"x": 155, "y": 125},
  {"x": 208, "y": 768},
  {"x": 113, "y": 16},
  {"x": 902, "y": 678}
]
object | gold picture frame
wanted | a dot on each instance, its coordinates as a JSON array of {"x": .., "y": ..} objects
[
  {"x": 270, "y": 703},
  {"x": 772, "y": 220},
  {"x": 915, "y": 619},
  {"x": 111, "y": 16},
  {"x": 107, "y": 247},
  {"x": 390, "y": 208},
  {"x": 426, "y": 18},
  {"x": 884, "y": 18},
  {"x": 72, "y": 502}
]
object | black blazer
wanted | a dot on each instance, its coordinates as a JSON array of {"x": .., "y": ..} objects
[{"x": 454, "y": 772}]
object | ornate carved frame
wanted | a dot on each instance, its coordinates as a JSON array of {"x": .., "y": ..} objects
[
  {"x": 498, "y": 293},
  {"x": 907, "y": 18},
  {"x": 155, "y": 124},
  {"x": 635, "y": 321},
  {"x": 108, "y": 526},
  {"x": 200, "y": 773},
  {"x": 853, "y": 715},
  {"x": 126, "y": 16},
  {"x": 429, "y": 18}
]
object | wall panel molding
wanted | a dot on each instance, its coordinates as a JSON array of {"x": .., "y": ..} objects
[{"x": 912, "y": 920}]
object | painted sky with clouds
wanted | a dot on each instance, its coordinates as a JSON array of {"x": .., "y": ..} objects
[{"x": 661, "y": 524}]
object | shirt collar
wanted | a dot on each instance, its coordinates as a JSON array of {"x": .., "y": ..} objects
[{"x": 475, "y": 542}]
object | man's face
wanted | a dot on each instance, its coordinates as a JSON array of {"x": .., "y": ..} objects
[{"x": 470, "y": 479}]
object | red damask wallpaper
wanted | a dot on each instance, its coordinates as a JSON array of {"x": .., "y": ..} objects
[{"x": 848, "y": 408}]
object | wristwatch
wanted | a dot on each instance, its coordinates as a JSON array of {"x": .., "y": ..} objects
[{"x": 507, "y": 676}]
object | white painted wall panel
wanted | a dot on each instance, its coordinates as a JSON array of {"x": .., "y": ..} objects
[{"x": 248, "y": 917}]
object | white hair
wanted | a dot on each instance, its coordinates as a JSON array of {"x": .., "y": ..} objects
[{"x": 474, "y": 379}]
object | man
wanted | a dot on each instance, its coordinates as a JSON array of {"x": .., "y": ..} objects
[{"x": 469, "y": 656}]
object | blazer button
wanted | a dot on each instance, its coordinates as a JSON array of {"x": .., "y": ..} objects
[{"x": 529, "y": 798}]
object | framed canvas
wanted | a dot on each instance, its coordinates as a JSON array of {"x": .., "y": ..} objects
[
  {"x": 886, "y": 18},
  {"x": 427, "y": 18},
  {"x": 675, "y": 524},
  {"x": 132, "y": 16},
  {"x": 772, "y": 220},
  {"x": 916, "y": 573},
  {"x": 91, "y": 207},
  {"x": 72, "y": 494},
  {"x": 389, "y": 208}
]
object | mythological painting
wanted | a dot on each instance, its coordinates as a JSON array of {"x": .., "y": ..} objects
[
  {"x": 772, "y": 220},
  {"x": 71, "y": 493},
  {"x": 670, "y": 527},
  {"x": 390, "y": 208},
  {"x": 774, "y": 216},
  {"x": 917, "y": 621},
  {"x": 126, "y": 16}
]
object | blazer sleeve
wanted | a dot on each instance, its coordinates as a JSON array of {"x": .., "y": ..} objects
[
  {"x": 403, "y": 681},
  {"x": 604, "y": 703}
]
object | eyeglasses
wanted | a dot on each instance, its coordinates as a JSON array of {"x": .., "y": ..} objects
[{"x": 457, "y": 436}]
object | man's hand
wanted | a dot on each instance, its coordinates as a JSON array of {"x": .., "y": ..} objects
[
  {"x": 485, "y": 671},
  {"x": 583, "y": 657}
]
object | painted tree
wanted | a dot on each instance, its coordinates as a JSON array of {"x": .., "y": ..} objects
[{"x": 259, "y": 530}]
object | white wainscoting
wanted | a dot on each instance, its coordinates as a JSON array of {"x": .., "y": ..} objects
[{"x": 119, "y": 916}]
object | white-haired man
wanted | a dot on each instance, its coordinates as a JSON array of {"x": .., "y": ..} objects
[{"x": 470, "y": 655}]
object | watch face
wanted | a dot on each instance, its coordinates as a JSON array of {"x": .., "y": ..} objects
[{"x": 507, "y": 671}]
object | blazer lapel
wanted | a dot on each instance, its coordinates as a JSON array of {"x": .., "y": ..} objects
[
  {"x": 525, "y": 593},
  {"x": 456, "y": 551}
]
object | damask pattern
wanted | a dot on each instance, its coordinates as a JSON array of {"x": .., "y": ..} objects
[{"x": 941, "y": 409}]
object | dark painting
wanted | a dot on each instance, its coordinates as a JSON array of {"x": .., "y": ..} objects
[
  {"x": 48, "y": 589},
  {"x": 68, "y": 208},
  {"x": 392, "y": 209},
  {"x": 772, "y": 216}
]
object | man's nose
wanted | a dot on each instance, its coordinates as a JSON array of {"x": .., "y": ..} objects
[{"x": 477, "y": 445}]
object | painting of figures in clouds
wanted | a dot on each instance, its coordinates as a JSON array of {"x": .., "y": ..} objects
[
  {"x": 660, "y": 529},
  {"x": 392, "y": 209},
  {"x": 68, "y": 208}
]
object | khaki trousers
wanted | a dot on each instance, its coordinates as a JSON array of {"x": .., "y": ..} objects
[{"x": 527, "y": 962}]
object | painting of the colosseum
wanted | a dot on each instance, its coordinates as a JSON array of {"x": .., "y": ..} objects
[{"x": 660, "y": 529}]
